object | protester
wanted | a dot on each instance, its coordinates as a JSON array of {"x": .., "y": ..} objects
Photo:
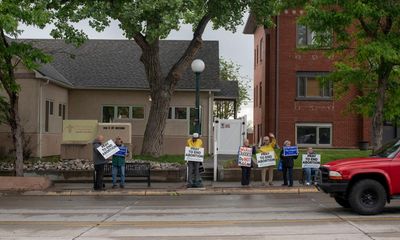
[
  {"x": 268, "y": 145},
  {"x": 99, "y": 163},
  {"x": 118, "y": 165},
  {"x": 194, "y": 179},
  {"x": 287, "y": 165},
  {"x": 246, "y": 171},
  {"x": 309, "y": 172}
]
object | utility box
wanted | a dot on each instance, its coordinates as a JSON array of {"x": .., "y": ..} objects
[{"x": 229, "y": 134}]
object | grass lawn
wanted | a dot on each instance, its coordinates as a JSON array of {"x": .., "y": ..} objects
[{"x": 327, "y": 155}]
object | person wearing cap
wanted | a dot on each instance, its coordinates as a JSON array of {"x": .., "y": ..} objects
[
  {"x": 269, "y": 144},
  {"x": 194, "y": 179}
]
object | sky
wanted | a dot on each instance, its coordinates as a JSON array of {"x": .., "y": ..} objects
[{"x": 237, "y": 46}]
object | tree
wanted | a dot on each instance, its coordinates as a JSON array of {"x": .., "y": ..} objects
[
  {"x": 229, "y": 71},
  {"x": 149, "y": 21},
  {"x": 37, "y": 13},
  {"x": 367, "y": 52}
]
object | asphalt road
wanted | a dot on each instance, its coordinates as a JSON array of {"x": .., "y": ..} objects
[{"x": 268, "y": 216}]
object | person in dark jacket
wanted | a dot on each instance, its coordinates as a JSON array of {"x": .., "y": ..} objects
[
  {"x": 99, "y": 163},
  {"x": 287, "y": 166},
  {"x": 247, "y": 170}
]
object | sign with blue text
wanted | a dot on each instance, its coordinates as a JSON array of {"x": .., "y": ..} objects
[
  {"x": 193, "y": 154},
  {"x": 290, "y": 151},
  {"x": 123, "y": 151},
  {"x": 108, "y": 149}
]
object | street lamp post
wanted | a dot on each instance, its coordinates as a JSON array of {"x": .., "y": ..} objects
[{"x": 197, "y": 67}]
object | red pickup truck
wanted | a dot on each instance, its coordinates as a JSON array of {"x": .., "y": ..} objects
[{"x": 363, "y": 184}]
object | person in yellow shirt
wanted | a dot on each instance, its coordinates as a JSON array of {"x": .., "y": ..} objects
[
  {"x": 194, "y": 179},
  {"x": 269, "y": 143}
]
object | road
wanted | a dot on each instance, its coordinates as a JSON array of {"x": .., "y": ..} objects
[{"x": 268, "y": 216}]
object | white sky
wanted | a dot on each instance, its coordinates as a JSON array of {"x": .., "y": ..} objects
[{"x": 237, "y": 47}]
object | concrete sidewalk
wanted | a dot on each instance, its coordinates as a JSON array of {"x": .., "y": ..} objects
[{"x": 162, "y": 189}]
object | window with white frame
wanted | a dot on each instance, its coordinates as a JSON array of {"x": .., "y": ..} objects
[
  {"x": 309, "y": 86},
  {"x": 110, "y": 113},
  {"x": 314, "y": 134},
  {"x": 185, "y": 113}
]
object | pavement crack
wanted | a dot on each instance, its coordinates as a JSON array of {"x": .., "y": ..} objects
[{"x": 105, "y": 219}]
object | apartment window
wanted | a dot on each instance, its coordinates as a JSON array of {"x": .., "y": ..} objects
[
  {"x": 314, "y": 134},
  {"x": 255, "y": 96},
  {"x": 257, "y": 54},
  {"x": 309, "y": 86},
  {"x": 261, "y": 49},
  {"x": 109, "y": 113},
  {"x": 260, "y": 95},
  {"x": 306, "y": 37}
]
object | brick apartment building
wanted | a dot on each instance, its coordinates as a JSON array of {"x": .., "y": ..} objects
[{"x": 288, "y": 98}]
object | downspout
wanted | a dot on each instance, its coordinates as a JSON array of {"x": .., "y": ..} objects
[
  {"x": 210, "y": 121},
  {"x": 277, "y": 80}
]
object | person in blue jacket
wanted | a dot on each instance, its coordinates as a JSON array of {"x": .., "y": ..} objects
[{"x": 287, "y": 166}]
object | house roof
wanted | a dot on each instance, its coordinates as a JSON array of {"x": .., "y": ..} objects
[
  {"x": 229, "y": 90},
  {"x": 251, "y": 24},
  {"x": 115, "y": 64}
]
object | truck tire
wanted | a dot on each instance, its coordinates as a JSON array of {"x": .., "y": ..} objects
[
  {"x": 367, "y": 197},
  {"x": 342, "y": 201}
]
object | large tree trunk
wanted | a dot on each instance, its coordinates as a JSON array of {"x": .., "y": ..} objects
[
  {"x": 16, "y": 130},
  {"x": 377, "y": 118}
]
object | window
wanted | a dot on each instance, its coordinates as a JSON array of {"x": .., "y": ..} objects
[
  {"x": 60, "y": 110},
  {"x": 47, "y": 116},
  {"x": 257, "y": 54},
  {"x": 51, "y": 107},
  {"x": 255, "y": 96},
  {"x": 108, "y": 114},
  {"x": 180, "y": 113},
  {"x": 122, "y": 112},
  {"x": 63, "y": 111},
  {"x": 170, "y": 113},
  {"x": 306, "y": 37},
  {"x": 192, "y": 122},
  {"x": 314, "y": 134},
  {"x": 309, "y": 86},
  {"x": 137, "y": 112}
]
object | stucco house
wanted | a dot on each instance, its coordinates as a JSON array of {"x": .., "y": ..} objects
[{"x": 104, "y": 80}]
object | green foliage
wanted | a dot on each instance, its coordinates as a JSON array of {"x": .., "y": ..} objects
[
  {"x": 366, "y": 49},
  {"x": 229, "y": 71},
  {"x": 163, "y": 159}
]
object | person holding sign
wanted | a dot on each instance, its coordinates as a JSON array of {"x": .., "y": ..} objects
[
  {"x": 194, "y": 179},
  {"x": 266, "y": 158},
  {"x": 288, "y": 155},
  {"x": 245, "y": 161},
  {"x": 99, "y": 163},
  {"x": 118, "y": 164},
  {"x": 309, "y": 170}
]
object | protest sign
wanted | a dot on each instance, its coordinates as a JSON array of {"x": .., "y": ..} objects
[
  {"x": 123, "y": 151},
  {"x": 108, "y": 149},
  {"x": 193, "y": 154},
  {"x": 311, "y": 160},
  {"x": 266, "y": 159},
  {"x": 290, "y": 151},
  {"x": 244, "y": 158}
]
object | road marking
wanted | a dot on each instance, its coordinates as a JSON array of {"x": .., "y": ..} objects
[{"x": 193, "y": 223}]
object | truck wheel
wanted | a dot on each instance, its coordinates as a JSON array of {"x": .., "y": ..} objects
[
  {"x": 367, "y": 197},
  {"x": 342, "y": 201}
]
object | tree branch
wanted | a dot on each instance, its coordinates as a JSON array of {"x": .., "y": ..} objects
[
  {"x": 177, "y": 70},
  {"x": 388, "y": 25},
  {"x": 364, "y": 25},
  {"x": 141, "y": 41}
]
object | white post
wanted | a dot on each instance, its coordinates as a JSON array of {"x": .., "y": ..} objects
[{"x": 215, "y": 160}]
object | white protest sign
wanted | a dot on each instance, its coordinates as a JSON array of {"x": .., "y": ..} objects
[
  {"x": 193, "y": 154},
  {"x": 108, "y": 149},
  {"x": 266, "y": 159},
  {"x": 311, "y": 160},
  {"x": 244, "y": 158}
]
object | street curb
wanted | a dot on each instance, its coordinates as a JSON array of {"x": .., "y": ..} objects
[{"x": 173, "y": 192}]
